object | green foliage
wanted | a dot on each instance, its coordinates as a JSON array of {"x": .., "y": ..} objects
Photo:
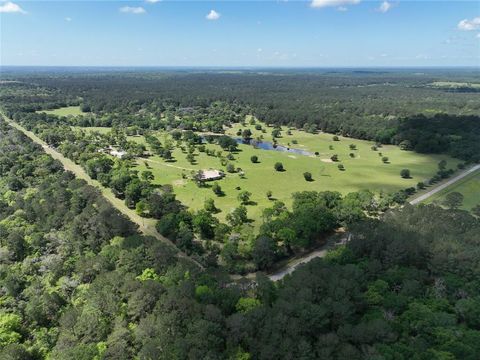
[
  {"x": 278, "y": 166},
  {"x": 405, "y": 173},
  {"x": 453, "y": 200},
  {"x": 308, "y": 176},
  {"x": 148, "y": 274},
  {"x": 10, "y": 326},
  {"x": 246, "y": 304}
]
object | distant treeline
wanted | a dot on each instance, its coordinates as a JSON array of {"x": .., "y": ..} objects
[{"x": 388, "y": 107}]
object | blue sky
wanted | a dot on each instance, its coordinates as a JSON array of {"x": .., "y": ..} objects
[{"x": 314, "y": 33}]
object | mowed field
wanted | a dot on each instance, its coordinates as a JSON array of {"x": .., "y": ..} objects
[
  {"x": 365, "y": 171},
  {"x": 469, "y": 187},
  {"x": 65, "y": 111}
]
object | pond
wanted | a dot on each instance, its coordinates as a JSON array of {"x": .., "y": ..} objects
[{"x": 267, "y": 145}]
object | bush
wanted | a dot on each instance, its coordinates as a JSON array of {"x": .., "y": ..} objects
[
  {"x": 453, "y": 200},
  {"x": 230, "y": 168},
  {"x": 217, "y": 190},
  {"x": 279, "y": 166},
  {"x": 385, "y": 159},
  {"x": 334, "y": 158},
  {"x": 405, "y": 173},
  {"x": 336, "y": 138},
  {"x": 254, "y": 159},
  {"x": 341, "y": 167},
  {"x": 308, "y": 176}
]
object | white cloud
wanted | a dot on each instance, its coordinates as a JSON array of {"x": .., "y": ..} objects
[
  {"x": 152, "y": 1},
  {"x": 68, "y": 19},
  {"x": 10, "y": 7},
  {"x": 384, "y": 7},
  {"x": 336, "y": 3},
  {"x": 342, "y": 8},
  {"x": 132, "y": 10},
  {"x": 259, "y": 50},
  {"x": 213, "y": 15},
  {"x": 478, "y": 36},
  {"x": 469, "y": 25}
]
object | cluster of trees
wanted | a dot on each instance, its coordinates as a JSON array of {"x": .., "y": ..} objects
[
  {"x": 284, "y": 233},
  {"x": 458, "y": 136},
  {"x": 78, "y": 282}
]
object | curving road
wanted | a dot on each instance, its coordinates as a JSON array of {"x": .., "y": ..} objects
[{"x": 322, "y": 252}]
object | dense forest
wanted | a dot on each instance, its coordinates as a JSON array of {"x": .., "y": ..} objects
[
  {"x": 371, "y": 105},
  {"x": 78, "y": 282}
]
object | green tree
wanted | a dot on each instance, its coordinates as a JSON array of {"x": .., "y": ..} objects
[
  {"x": 244, "y": 197},
  {"x": 405, "y": 173},
  {"x": 263, "y": 252},
  {"x": 238, "y": 216},
  {"x": 147, "y": 175},
  {"x": 10, "y": 326},
  {"x": 453, "y": 200},
  {"x": 209, "y": 205},
  {"x": 217, "y": 190},
  {"x": 204, "y": 223},
  {"x": 278, "y": 166}
]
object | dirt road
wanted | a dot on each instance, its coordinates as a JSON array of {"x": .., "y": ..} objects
[{"x": 146, "y": 226}]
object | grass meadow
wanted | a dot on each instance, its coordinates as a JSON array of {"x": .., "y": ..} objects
[{"x": 364, "y": 171}]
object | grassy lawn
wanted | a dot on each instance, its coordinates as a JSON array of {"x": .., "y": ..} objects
[
  {"x": 469, "y": 187},
  {"x": 65, "y": 111},
  {"x": 365, "y": 171}
]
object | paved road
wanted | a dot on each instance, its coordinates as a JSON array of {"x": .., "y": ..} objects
[
  {"x": 146, "y": 226},
  {"x": 445, "y": 185}
]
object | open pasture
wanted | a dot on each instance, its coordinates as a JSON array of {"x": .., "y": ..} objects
[
  {"x": 364, "y": 171},
  {"x": 65, "y": 111}
]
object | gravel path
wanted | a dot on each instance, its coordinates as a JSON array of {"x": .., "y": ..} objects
[{"x": 146, "y": 226}]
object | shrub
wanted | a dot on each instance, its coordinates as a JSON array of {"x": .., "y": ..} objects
[
  {"x": 453, "y": 200},
  {"x": 405, "y": 173},
  {"x": 279, "y": 166},
  {"x": 230, "y": 168},
  {"x": 308, "y": 176},
  {"x": 217, "y": 189},
  {"x": 254, "y": 159}
]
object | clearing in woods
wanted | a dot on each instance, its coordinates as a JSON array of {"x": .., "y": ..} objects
[{"x": 364, "y": 170}]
